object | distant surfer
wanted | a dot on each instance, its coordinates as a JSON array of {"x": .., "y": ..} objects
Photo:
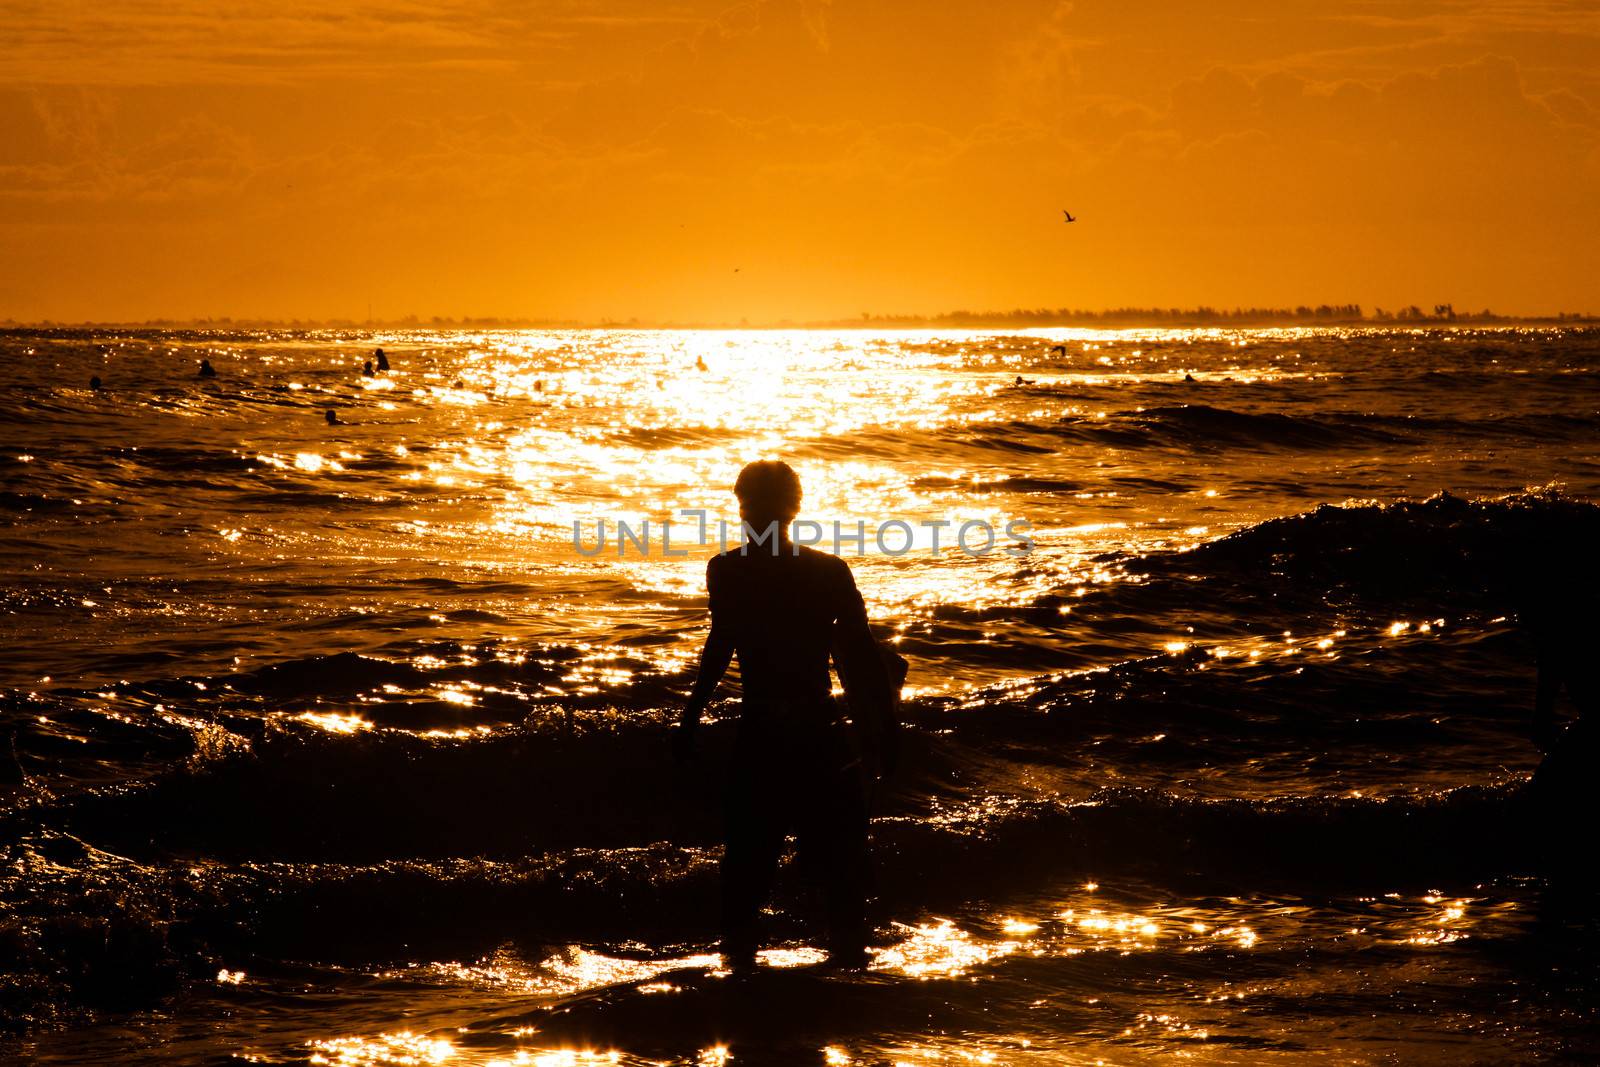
[
  {"x": 206, "y": 369},
  {"x": 1068, "y": 215},
  {"x": 785, "y": 610},
  {"x": 383, "y": 360}
]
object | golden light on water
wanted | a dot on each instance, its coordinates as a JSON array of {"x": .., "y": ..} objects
[
  {"x": 938, "y": 950},
  {"x": 401, "y": 1048},
  {"x": 979, "y": 948},
  {"x": 564, "y": 973},
  {"x": 335, "y": 722},
  {"x": 634, "y": 432},
  {"x": 557, "y": 1058}
]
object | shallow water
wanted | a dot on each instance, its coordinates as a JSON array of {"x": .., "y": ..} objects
[{"x": 337, "y": 750}]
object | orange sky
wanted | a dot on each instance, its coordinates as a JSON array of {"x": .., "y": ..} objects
[{"x": 584, "y": 159}]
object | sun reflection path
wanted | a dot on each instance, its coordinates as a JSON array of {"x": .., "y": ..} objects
[{"x": 505, "y": 438}]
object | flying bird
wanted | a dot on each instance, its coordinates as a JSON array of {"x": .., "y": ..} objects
[{"x": 1068, "y": 214}]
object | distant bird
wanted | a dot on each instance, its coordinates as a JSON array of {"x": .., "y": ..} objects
[
  {"x": 1068, "y": 214},
  {"x": 736, "y": 270}
]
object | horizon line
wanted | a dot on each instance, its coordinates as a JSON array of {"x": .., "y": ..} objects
[{"x": 1018, "y": 318}]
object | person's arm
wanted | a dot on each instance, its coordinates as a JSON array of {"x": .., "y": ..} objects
[{"x": 714, "y": 660}]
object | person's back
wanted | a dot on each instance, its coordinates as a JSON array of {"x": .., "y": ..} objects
[{"x": 781, "y": 610}]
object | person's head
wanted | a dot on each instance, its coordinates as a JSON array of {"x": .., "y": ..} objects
[{"x": 768, "y": 492}]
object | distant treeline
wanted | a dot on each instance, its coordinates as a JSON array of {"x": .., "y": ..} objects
[
  {"x": 1017, "y": 318},
  {"x": 1304, "y": 314}
]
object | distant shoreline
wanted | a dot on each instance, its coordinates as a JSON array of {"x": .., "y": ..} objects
[{"x": 1020, "y": 319}]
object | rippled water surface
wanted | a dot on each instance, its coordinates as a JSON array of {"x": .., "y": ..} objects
[{"x": 332, "y": 746}]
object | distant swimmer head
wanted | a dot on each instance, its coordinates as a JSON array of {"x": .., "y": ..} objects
[
  {"x": 1188, "y": 377},
  {"x": 206, "y": 369},
  {"x": 383, "y": 360},
  {"x": 366, "y": 369},
  {"x": 768, "y": 492},
  {"x": 332, "y": 416},
  {"x": 94, "y": 383}
]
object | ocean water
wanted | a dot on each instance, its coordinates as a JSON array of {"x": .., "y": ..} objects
[{"x": 332, "y": 747}]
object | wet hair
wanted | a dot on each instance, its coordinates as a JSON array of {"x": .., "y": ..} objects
[{"x": 768, "y": 490}]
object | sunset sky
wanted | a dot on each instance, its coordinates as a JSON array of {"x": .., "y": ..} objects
[{"x": 696, "y": 161}]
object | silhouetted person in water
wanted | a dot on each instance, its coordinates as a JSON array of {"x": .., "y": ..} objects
[
  {"x": 94, "y": 383},
  {"x": 797, "y": 765},
  {"x": 1188, "y": 377},
  {"x": 367, "y": 371},
  {"x": 383, "y": 360},
  {"x": 332, "y": 417},
  {"x": 206, "y": 369},
  {"x": 1062, "y": 349},
  {"x": 700, "y": 363}
]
